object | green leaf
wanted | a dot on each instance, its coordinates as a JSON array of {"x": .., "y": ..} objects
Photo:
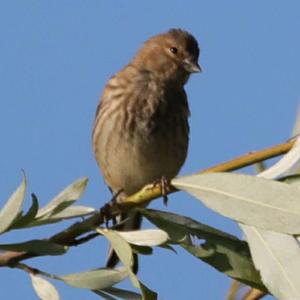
[
  {"x": 103, "y": 295},
  {"x": 147, "y": 293},
  {"x": 96, "y": 279},
  {"x": 277, "y": 257},
  {"x": 121, "y": 247},
  {"x": 40, "y": 222},
  {"x": 123, "y": 294},
  {"x": 178, "y": 227},
  {"x": 12, "y": 208},
  {"x": 222, "y": 251},
  {"x": 70, "y": 212},
  {"x": 247, "y": 199},
  {"x": 41, "y": 247},
  {"x": 43, "y": 288},
  {"x": 291, "y": 179},
  {"x": 145, "y": 250},
  {"x": 168, "y": 247},
  {"x": 74, "y": 211},
  {"x": 59, "y": 208},
  {"x": 124, "y": 252},
  {"x": 146, "y": 237},
  {"x": 26, "y": 219},
  {"x": 231, "y": 261},
  {"x": 64, "y": 199}
]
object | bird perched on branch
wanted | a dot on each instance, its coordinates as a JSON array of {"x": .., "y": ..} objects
[{"x": 141, "y": 129}]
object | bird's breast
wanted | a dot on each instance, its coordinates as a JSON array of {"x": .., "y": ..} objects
[{"x": 144, "y": 137}]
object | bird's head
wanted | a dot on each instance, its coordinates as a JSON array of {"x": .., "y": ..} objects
[{"x": 172, "y": 55}]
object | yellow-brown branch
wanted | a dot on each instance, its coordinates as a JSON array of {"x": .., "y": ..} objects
[{"x": 68, "y": 236}]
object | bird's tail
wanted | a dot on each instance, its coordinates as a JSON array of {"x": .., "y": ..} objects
[{"x": 131, "y": 221}]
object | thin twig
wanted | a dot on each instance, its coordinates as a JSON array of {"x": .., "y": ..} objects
[
  {"x": 254, "y": 294},
  {"x": 233, "y": 290},
  {"x": 251, "y": 158},
  {"x": 34, "y": 271}
]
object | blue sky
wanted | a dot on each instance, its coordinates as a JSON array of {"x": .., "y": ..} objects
[{"x": 55, "y": 57}]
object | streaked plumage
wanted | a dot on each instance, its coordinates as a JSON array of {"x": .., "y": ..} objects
[{"x": 141, "y": 128}]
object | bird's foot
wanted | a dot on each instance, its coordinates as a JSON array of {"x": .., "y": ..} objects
[
  {"x": 164, "y": 184},
  {"x": 107, "y": 209}
]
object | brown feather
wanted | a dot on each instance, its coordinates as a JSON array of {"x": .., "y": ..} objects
[{"x": 141, "y": 129}]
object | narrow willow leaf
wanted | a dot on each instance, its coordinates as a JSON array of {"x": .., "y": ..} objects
[
  {"x": 40, "y": 222},
  {"x": 123, "y": 294},
  {"x": 104, "y": 295},
  {"x": 43, "y": 288},
  {"x": 58, "y": 208},
  {"x": 145, "y": 250},
  {"x": 70, "y": 212},
  {"x": 41, "y": 247},
  {"x": 12, "y": 208},
  {"x": 96, "y": 279},
  {"x": 74, "y": 211},
  {"x": 64, "y": 199},
  {"x": 229, "y": 260},
  {"x": 168, "y": 247},
  {"x": 222, "y": 251},
  {"x": 147, "y": 237},
  {"x": 120, "y": 245},
  {"x": 247, "y": 199},
  {"x": 295, "y": 180},
  {"x": 147, "y": 293},
  {"x": 291, "y": 179},
  {"x": 26, "y": 219},
  {"x": 277, "y": 256},
  {"x": 124, "y": 252},
  {"x": 184, "y": 225}
]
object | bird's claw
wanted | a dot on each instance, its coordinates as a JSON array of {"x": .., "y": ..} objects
[
  {"x": 164, "y": 184},
  {"x": 106, "y": 209}
]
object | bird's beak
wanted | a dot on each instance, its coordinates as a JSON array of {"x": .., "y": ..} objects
[{"x": 192, "y": 66}]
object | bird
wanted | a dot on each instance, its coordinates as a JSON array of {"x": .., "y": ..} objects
[{"x": 141, "y": 129}]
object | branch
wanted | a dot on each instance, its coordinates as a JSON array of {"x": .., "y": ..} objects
[
  {"x": 35, "y": 271},
  {"x": 254, "y": 294},
  {"x": 68, "y": 236},
  {"x": 251, "y": 158},
  {"x": 149, "y": 192}
]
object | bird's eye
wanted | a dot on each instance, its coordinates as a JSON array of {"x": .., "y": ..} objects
[{"x": 174, "y": 50}]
